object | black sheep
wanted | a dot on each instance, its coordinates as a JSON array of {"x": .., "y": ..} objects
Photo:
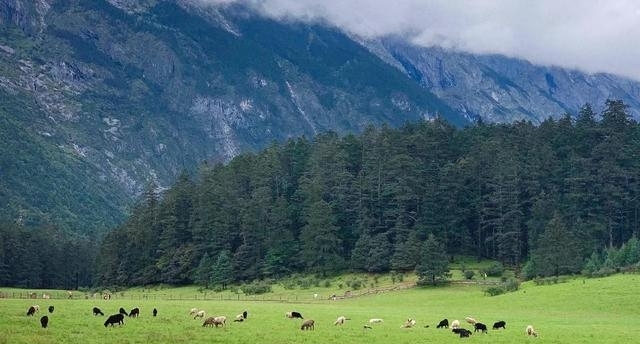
[
  {"x": 31, "y": 311},
  {"x": 244, "y": 314},
  {"x": 155, "y": 312},
  {"x": 44, "y": 321},
  {"x": 122, "y": 311},
  {"x": 499, "y": 324},
  {"x": 97, "y": 311},
  {"x": 51, "y": 309},
  {"x": 444, "y": 323},
  {"x": 134, "y": 312},
  {"x": 463, "y": 332},
  {"x": 114, "y": 319},
  {"x": 480, "y": 327}
]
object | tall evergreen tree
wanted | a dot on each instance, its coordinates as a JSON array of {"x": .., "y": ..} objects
[{"x": 434, "y": 265}]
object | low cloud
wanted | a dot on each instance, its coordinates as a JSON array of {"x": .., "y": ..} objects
[{"x": 591, "y": 35}]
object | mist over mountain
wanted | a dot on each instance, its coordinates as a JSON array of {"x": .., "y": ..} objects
[{"x": 99, "y": 99}]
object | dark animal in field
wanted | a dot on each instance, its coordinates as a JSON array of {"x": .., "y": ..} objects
[
  {"x": 31, "y": 311},
  {"x": 499, "y": 324},
  {"x": 122, "y": 311},
  {"x": 97, "y": 311},
  {"x": 293, "y": 315},
  {"x": 114, "y": 319},
  {"x": 307, "y": 325},
  {"x": 51, "y": 309},
  {"x": 444, "y": 323},
  {"x": 480, "y": 327},
  {"x": 239, "y": 318},
  {"x": 463, "y": 332},
  {"x": 245, "y": 314},
  {"x": 134, "y": 312},
  {"x": 367, "y": 327},
  {"x": 155, "y": 312},
  {"x": 44, "y": 321}
]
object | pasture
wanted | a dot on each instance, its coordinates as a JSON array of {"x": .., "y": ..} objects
[{"x": 603, "y": 310}]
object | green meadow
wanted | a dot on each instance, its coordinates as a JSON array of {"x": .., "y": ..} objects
[{"x": 602, "y": 310}]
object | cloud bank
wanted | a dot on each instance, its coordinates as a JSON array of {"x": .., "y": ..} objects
[{"x": 590, "y": 35}]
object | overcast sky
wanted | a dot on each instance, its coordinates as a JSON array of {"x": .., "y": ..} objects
[{"x": 591, "y": 35}]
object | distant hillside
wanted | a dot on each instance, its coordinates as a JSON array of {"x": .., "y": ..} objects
[
  {"x": 99, "y": 98},
  {"x": 501, "y": 89}
]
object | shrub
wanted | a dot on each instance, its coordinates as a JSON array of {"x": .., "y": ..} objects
[
  {"x": 493, "y": 291},
  {"x": 495, "y": 270},
  {"x": 256, "y": 288},
  {"x": 468, "y": 274}
]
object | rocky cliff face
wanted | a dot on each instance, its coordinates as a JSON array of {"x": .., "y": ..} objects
[
  {"x": 110, "y": 95},
  {"x": 501, "y": 89}
]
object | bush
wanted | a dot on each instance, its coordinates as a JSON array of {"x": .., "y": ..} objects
[
  {"x": 468, "y": 274},
  {"x": 495, "y": 270},
  {"x": 493, "y": 291},
  {"x": 256, "y": 288}
]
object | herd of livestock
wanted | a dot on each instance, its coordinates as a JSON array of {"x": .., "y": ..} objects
[{"x": 308, "y": 324}]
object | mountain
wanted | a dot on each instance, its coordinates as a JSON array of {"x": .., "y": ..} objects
[
  {"x": 501, "y": 89},
  {"x": 100, "y": 98}
]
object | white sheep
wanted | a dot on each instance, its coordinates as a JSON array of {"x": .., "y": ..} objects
[
  {"x": 409, "y": 324},
  {"x": 455, "y": 324},
  {"x": 470, "y": 320},
  {"x": 375, "y": 321},
  {"x": 340, "y": 320},
  {"x": 530, "y": 331},
  {"x": 200, "y": 314}
]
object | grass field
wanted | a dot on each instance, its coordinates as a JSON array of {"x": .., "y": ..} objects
[{"x": 604, "y": 310}]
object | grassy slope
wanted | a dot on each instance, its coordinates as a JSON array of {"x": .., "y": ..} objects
[{"x": 590, "y": 311}]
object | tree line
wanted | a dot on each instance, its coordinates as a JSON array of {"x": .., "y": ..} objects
[
  {"x": 550, "y": 197},
  {"x": 552, "y": 194}
]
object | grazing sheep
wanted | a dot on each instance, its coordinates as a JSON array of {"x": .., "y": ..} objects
[
  {"x": 340, "y": 320},
  {"x": 114, "y": 319},
  {"x": 135, "y": 312},
  {"x": 44, "y": 321},
  {"x": 470, "y": 320},
  {"x": 499, "y": 324},
  {"x": 367, "y": 327},
  {"x": 220, "y": 320},
  {"x": 480, "y": 327},
  {"x": 239, "y": 318},
  {"x": 463, "y": 332},
  {"x": 200, "y": 314},
  {"x": 37, "y": 308},
  {"x": 245, "y": 314},
  {"x": 51, "y": 309},
  {"x": 122, "y": 311},
  {"x": 155, "y": 312},
  {"x": 193, "y": 311},
  {"x": 293, "y": 315},
  {"x": 409, "y": 323},
  {"x": 444, "y": 323},
  {"x": 307, "y": 325},
  {"x": 46, "y": 296},
  {"x": 97, "y": 311},
  {"x": 31, "y": 311},
  {"x": 211, "y": 321},
  {"x": 455, "y": 324},
  {"x": 530, "y": 331},
  {"x": 375, "y": 321}
]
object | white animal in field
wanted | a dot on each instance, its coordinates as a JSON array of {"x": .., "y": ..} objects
[
  {"x": 455, "y": 324},
  {"x": 375, "y": 321},
  {"x": 530, "y": 331}
]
